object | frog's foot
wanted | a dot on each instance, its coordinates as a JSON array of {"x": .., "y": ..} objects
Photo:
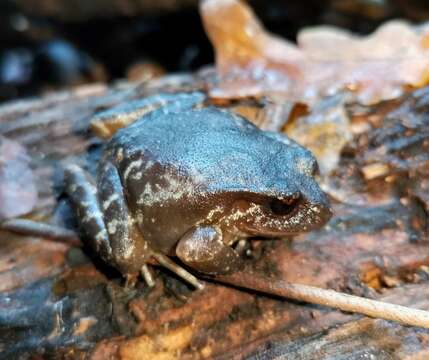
[
  {"x": 203, "y": 249},
  {"x": 179, "y": 271}
]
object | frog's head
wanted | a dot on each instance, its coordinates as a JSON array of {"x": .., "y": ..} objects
[
  {"x": 287, "y": 205},
  {"x": 282, "y": 214}
]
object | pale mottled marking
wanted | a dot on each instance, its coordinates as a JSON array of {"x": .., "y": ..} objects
[
  {"x": 139, "y": 217},
  {"x": 120, "y": 154},
  {"x": 102, "y": 234},
  {"x": 128, "y": 251},
  {"x": 111, "y": 226},
  {"x": 90, "y": 216},
  {"x": 112, "y": 198},
  {"x": 134, "y": 165},
  {"x": 137, "y": 176},
  {"x": 173, "y": 189},
  {"x": 217, "y": 210},
  {"x": 92, "y": 189},
  {"x": 146, "y": 194},
  {"x": 149, "y": 164}
]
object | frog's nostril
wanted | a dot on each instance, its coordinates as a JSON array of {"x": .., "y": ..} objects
[
  {"x": 314, "y": 168},
  {"x": 285, "y": 206}
]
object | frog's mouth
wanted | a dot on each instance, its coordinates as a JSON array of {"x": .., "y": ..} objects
[{"x": 285, "y": 217}]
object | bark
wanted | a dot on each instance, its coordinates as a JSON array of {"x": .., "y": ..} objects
[{"x": 56, "y": 298}]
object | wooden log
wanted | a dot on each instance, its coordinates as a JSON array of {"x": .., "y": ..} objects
[{"x": 59, "y": 299}]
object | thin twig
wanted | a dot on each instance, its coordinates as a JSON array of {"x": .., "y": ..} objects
[
  {"x": 319, "y": 296},
  {"x": 35, "y": 228}
]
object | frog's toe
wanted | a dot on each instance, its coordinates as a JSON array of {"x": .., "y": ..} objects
[
  {"x": 147, "y": 276},
  {"x": 179, "y": 271}
]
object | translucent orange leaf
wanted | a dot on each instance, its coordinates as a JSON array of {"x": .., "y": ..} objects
[{"x": 250, "y": 61}]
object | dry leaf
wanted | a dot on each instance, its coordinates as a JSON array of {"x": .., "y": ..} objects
[
  {"x": 250, "y": 61},
  {"x": 324, "y": 131}
]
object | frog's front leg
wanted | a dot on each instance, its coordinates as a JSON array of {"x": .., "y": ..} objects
[{"x": 203, "y": 249}]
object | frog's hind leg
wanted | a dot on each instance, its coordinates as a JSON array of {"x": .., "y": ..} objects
[
  {"x": 103, "y": 216},
  {"x": 83, "y": 195},
  {"x": 130, "y": 249}
]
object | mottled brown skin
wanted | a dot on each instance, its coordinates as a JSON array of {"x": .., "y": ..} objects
[{"x": 192, "y": 182}]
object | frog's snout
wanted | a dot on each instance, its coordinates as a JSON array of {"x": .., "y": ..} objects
[
  {"x": 320, "y": 208},
  {"x": 325, "y": 213}
]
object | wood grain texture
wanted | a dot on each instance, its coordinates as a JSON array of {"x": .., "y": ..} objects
[{"x": 59, "y": 299}]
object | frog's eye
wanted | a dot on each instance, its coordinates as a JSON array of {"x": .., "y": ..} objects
[{"x": 285, "y": 206}]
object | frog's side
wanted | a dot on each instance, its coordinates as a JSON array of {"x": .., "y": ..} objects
[{"x": 191, "y": 183}]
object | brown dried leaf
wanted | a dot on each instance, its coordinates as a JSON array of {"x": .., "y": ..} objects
[
  {"x": 250, "y": 61},
  {"x": 376, "y": 67},
  {"x": 18, "y": 193},
  {"x": 324, "y": 131}
]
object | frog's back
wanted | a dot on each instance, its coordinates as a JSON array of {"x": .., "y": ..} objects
[
  {"x": 216, "y": 148},
  {"x": 181, "y": 136}
]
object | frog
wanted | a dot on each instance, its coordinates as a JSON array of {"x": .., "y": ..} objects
[{"x": 181, "y": 180}]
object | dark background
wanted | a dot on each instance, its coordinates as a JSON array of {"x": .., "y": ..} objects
[{"x": 51, "y": 44}]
